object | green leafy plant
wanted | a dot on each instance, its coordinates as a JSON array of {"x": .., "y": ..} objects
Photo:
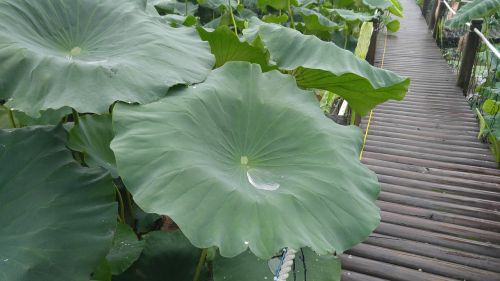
[
  {"x": 184, "y": 140},
  {"x": 473, "y": 10}
]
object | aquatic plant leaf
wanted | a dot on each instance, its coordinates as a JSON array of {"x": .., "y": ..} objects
[{"x": 247, "y": 159}]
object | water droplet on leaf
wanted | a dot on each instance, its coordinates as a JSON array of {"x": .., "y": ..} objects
[{"x": 262, "y": 179}]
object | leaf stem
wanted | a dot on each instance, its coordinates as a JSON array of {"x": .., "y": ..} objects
[
  {"x": 11, "y": 117},
  {"x": 186, "y": 8},
  {"x": 121, "y": 206},
  {"x": 199, "y": 267},
  {"x": 290, "y": 13},
  {"x": 232, "y": 16}
]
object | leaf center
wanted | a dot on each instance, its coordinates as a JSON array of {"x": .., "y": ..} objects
[
  {"x": 75, "y": 51},
  {"x": 244, "y": 160}
]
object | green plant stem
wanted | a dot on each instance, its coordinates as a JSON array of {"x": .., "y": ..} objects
[
  {"x": 121, "y": 206},
  {"x": 290, "y": 13},
  {"x": 232, "y": 16},
  {"x": 199, "y": 267},
  {"x": 346, "y": 35},
  {"x": 186, "y": 7},
  {"x": 129, "y": 202},
  {"x": 11, "y": 117}
]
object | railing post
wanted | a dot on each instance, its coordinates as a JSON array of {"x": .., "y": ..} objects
[
  {"x": 370, "y": 55},
  {"x": 440, "y": 12},
  {"x": 469, "y": 55},
  {"x": 432, "y": 21},
  {"x": 425, "y": 7}
]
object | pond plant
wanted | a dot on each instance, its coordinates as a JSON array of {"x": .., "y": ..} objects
[{"x": 165, "y": 140}]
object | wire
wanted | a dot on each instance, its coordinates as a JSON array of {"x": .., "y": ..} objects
[{"x": 371, "y": 111}]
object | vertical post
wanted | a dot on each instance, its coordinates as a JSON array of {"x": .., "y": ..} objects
[
  {"x": 370, "y": 58},
  {"x": 469, "y": 55},
  {"x": 440, "y": 12},
  {"x": 425, "y": 7},
  {"x": 433, "y": 15},
  {"x": 370, "y": 55}
]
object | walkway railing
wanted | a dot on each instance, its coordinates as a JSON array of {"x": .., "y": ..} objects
[{"x": 473, "y": 53}]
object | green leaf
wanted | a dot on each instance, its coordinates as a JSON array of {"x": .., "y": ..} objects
[
  {"x": 491, "y": 107},
  {"x": 276, "y": 4},
  {"x": 322, "y": 65},
  {"x": 351, "y": 16},
  {"x": 246, "y": 146},
  {"x": 178, "y": 20},
  {"x": 125, "y": 250},
  {"x": 93, "y": 55},
  {"x": 226, "y": 46},
  {"x": 247, "y": 267},
  {"x": 92, "y": 136},
  {"x": 244, "y": 267},
  {"x": 474, "y": 10},
  {"x": 315, "y": 21},
  {"x": 47, "y": 117},
  {"x": 275, "y": 18},
  {"x": 365, "y": 35},
  {"x": 393, "y": 25},
  {"x": 102, "y": 272},
  {"x": 218, "y": 4},
  {"x": 396, "y": 9},
  {"x": 166, "y": 256},
  {"x": 174, "y": 7},
  {"x": 57, "y": 217},
  {"x": 378, "y": 4},
  {"x": 5, "y": 118}
]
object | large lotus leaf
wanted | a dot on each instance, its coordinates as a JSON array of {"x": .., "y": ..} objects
[
  {"x": 89, "y": 54},
  {"x": 166, "y": 256},
  {"x": 474, "y": 10},
  {"x": 315, "y": 21},
  {"x": 92, "y": 136},
  {"x": 57, "y": 218},
  {"x": 125, "y": 250},
  {"x": 226, "y": 46},
  {"x": 247, "y": 267},
  {"x": 323, "y": 65},
  {"x": 349, "y": 15},
  {"x": 247, "y": 159}
]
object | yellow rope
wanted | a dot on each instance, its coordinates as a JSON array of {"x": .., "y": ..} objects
[{"x": 371, "y": 111}]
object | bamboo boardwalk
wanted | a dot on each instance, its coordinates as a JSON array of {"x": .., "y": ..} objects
[{"x": 440, "y": 197}]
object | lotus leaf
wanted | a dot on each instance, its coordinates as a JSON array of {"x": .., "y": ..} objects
[
  {"x": 57, "y": 217},
  {"x": 247, "y": 159},
  {"x": 226, "y": 46},
  {"x": 92, "y": 136},
  {"x": 349, "y": 15},
  {"x": 89, "y": 54},
  {"x": 323, "y": 65},
  {"x": 315, "y": 21},
  {"x": 473, "y": 10},
  {"x": 166, "y": 256},
  {"x": 125, "y": 250}
]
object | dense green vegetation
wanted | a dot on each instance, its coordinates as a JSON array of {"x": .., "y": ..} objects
[{"x": 165, "y": 140}]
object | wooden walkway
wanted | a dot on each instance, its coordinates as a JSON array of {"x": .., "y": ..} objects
[{"x": 440, "y": 196}]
